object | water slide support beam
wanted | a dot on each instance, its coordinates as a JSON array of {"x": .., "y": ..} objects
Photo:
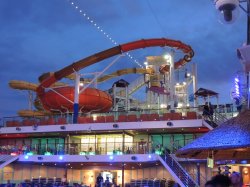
[{"x": 99, "y": 74}]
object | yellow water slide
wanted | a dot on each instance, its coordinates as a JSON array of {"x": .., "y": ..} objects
[
  {"x": 22, "y": 85},
  {"x": 117, "y": 73},
  {"x": 32, "y": 113}
]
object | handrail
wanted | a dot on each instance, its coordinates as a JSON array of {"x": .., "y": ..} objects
[
  {"x": 79, "y": 148},
  {"x": 186, "y": 179},
  {"x": 219, "y": 118},
  {"x": 139, "y": 110}
]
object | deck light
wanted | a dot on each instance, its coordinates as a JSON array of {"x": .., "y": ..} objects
[
  {"x": 60, "y": 157},
  {"x": 29, "y": 153},
  {"x": 170, "y": 124},
  {"x": 35, "y": 127},
  {"x": 149, "y": 156},
  {"x": 167, "y": 57},
  {"x": 63, "y": 127},
  {"x": 94, "y": 117},
  {"x": 39, "y": 158},
  {"x": 26, "y": 157},
  {"x": 163, "y": 106},
  {"x": 133, "y": 158},
  {"x": 47, "y": 153},
  {"x": 245, "y": 171},
  {"x": 111, "y": 157},
  {"x": 158, "y": 152},
  {"x": 243, "y": 162},
  {"x": 115, "y": 125},
  {"x": 18, "y": 129}
]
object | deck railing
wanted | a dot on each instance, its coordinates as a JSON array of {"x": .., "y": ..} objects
[
  {"x": 93, "y": 148},
  {"x": 114, "y": 116},
  {"x": 107, "y": 148}
]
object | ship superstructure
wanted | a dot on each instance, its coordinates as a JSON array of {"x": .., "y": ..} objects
[{"x": 80, "y": 131}]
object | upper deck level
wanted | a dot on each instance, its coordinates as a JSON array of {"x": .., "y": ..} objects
[{"x": 180, "y": 120}]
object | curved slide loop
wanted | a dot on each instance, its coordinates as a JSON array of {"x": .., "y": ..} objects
[{"x": 115, "y": 51}]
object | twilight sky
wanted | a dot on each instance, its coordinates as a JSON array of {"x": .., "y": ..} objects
[{"x": 39, "y": 36}]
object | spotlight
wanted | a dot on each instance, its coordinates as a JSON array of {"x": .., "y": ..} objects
[
  {"x": 26, "y": 157},
  {"x": 111, "y": 157},
  {"x": 149, "y": 156},
  {"x": 18, "y": 129},
  {"x": 60, "y": 157},
  {"x": 167, "y": 57},
  {"x": 170, "y": 124},
  {"x": 115, "y": 125},
  {"x": 39, "y": 158},
  {"x": 133, "y": 158},
  {"x": 63, "y": 127},
  {"x": 35, "y": 127}
]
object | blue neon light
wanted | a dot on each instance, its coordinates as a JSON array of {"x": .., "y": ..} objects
[{"x": 237, "y": 93}]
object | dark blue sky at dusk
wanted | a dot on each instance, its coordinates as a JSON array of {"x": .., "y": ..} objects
[{"x": 39, "y": 36}]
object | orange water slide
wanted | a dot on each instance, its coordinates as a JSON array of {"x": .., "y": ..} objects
[{"x": 162, "y": 42}]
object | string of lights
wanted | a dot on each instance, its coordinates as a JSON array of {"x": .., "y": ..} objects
[{"x": 99, "y": 28}]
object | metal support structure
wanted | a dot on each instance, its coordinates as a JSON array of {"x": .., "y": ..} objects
[
  {"x": 172, "y": 80},
  {"x": 194, "y": 77},
  {"x": 61, "y": 95},
  {"x": 98, "y": 75},
  {"x": 127, "y": 99},
  {"x": 76, "y": 97},
  {"x": 30, "y": 99}
]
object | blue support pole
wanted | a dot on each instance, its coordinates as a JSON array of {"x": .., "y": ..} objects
[
  {"x": 75, "y": 115},
  {"x": 76, "y": 98}
]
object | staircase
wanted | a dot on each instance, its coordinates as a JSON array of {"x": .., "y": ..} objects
[
  {"x": 214, "y": 120},
  {"x": 209, "y": 124},
  {"x": 219, "y": 118},
  {"x": 177, "y": 171},
  {"x": 7, "y": 159}
]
